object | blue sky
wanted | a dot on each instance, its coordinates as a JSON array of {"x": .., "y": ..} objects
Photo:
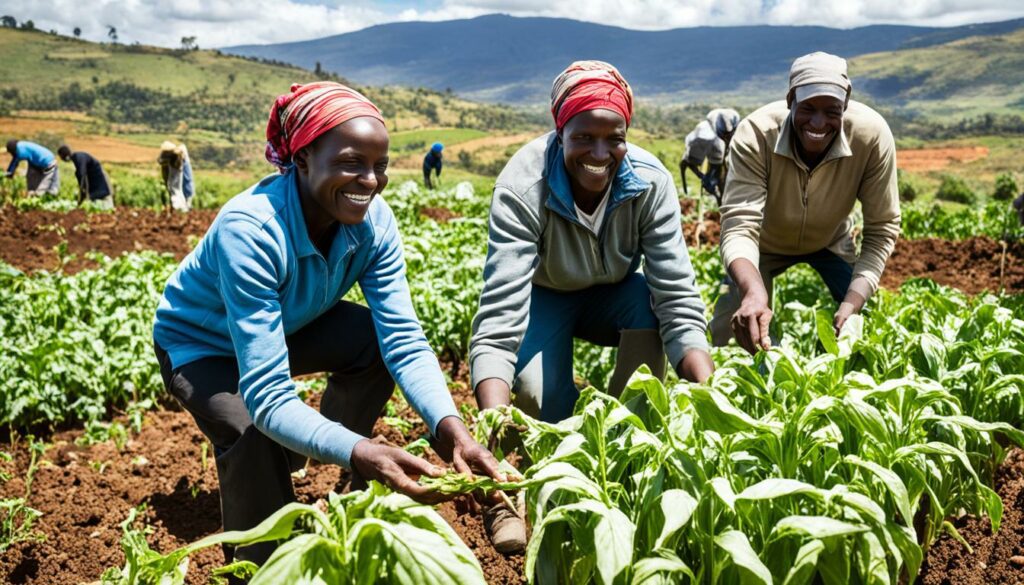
[{"x": 218, "y": 23}]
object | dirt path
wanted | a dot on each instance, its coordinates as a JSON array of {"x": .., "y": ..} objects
[{"x": 921, "y": 160}]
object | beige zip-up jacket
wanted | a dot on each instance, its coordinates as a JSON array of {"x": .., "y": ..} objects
[{"x": 773, "y": 204}]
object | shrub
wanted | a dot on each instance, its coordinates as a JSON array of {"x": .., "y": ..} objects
[
  {"x": 1006, "y": 188},
  {"x": 907, "y": 190},
  {"x": 956, "y": 190}
]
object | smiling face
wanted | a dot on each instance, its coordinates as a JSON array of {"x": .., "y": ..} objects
[
  {"x": 817, "y": 121},
  {"x": 593, "y": 145},
  {"x": 342, "y": 171}
]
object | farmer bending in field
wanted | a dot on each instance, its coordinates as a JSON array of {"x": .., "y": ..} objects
[
  {"x": 93, "y": 181},
  {"x": 709, "y": 140},
  {"x": 432, "y": 162},
  {"x": 796, "y": 168},
  {"x": 257, "y": 302},
  {"x": 176, "y": 169},
  {"x": 42, "y": 175},
  {"x": 573, "y": 214}
]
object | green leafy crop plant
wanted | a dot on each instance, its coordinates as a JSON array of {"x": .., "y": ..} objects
[
  {"x": 787, "y": 470},
  {"x": 371, "y": 536}
]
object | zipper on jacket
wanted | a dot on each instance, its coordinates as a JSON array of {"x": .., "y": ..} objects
[{"x": 804, "y": 180}]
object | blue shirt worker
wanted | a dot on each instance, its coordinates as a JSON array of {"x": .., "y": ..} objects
[
  {"x": 259, "y": 301},
  {"x": 432, "y": 162},
  {"x": 93, "y": 181},
  {"x": 42, "y": 175}
]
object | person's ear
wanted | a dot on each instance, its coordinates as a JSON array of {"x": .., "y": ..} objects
[{"x": 301, "y": 160}]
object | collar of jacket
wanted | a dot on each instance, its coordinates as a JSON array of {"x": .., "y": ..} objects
[
  {"x": 784, "y": 145},
  {"x": 347, "y": 238},
  {"x": 626, "y": 185}
]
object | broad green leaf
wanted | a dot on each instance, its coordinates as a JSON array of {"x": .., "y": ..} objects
[
  {"x": 826, "y": 333},
  {"x": 676, "y": 506},
  {"x": 892, "y": 483},
  {"x": 1016, "y": 435},
  {"x": 305, "y": 559},
  {"x": 736, "y": 545},
  {"x": 805, "y": 564},
  {"x": 819, "y": 527},
  {"x": 590, "y": 521},
  {"x": 717, "y": 413},
  {"x": 664, "y": 569},
  {"x": 723, "y": 489},
  {"x": 772, "y": 488}
]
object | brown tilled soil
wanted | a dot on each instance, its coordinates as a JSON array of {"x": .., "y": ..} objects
[
  {"x": 27, "y": 239},
  {"x": 973, "y": 266},
  {"x": 85, "y": 493},
  {"x": 998, "y": 559}
]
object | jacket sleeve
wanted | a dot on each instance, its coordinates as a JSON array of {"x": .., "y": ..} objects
[
  {"x": 744, "y": 196},
  {"x": 403, "y": 345},
  {"x": 500, "y": 322},
  {"x": 880, "y": 203},
  {"x": 670, "y": 275},
  {"x": 250, "y": 268}
]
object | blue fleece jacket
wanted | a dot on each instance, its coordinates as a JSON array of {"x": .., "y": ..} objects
[
  {"x": 256, "y": 277},
  {"x": 37, "y": 156}
]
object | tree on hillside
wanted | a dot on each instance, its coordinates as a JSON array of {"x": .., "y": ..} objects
[
  {"x": 112, "y": 33},
  {"x": 78, "y": 32},
  {"x": 189, "y": 43},
  {"x": 28, "y": 25},
  {"x": 8, "y": 21}
]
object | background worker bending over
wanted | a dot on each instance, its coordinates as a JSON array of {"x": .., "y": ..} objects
[{"x": 709, "y": 141}]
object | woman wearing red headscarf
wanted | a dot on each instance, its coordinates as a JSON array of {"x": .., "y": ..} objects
[
  {"x": 259, "y": 301},
  {"x": 575, "y": 213}
]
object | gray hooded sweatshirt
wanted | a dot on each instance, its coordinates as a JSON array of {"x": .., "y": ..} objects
[{"x": 535, "y": 238}]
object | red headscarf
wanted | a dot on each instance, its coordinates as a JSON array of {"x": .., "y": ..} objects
[
  {"x": 299, "y": 117},
  {"x": 590, "y": 85}
]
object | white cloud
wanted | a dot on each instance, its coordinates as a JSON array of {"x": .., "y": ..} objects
[{"x": 222, "y": 22}]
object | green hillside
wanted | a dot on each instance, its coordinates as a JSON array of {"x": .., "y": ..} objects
[
  {"x": 970, "y": 77},
  {"x": 141, "y": 89}
]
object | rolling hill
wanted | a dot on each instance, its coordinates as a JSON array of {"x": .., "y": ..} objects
[
  {"x": 973, "y": 76},
  {"x": 139, "y": 89},
  {"x": 508, "y": 59}
]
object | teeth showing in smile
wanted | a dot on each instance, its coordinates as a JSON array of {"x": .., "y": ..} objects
[
  {"x": 815, "y": 135},
  {"x": 358, "y": 198},
  {"x": 595, "y": 169}
]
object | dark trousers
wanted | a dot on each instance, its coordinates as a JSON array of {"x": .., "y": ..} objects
[
  {"x": 426, "y": 177},
  {"x": 254, "y": 472},
  {"x": 834, "y": 271}
]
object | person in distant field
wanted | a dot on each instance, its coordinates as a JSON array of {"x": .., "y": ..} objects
[
  {"x": 93, "y": 181},
  {"x": 42, "y": 175},
  {"x": 1018, "y": 206},
  {"x": 575, "y": 214},
  {"x": 259, "y": 301},
  {"x": 796, "y": 169},
  {"x": 176, "y": 169},
  {"x": 432, "y": 163},
  {"x": 709, "y": 141}
]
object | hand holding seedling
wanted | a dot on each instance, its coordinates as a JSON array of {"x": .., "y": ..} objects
[{"x": 396, "y": 469}]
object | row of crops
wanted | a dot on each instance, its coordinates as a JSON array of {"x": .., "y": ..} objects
[{"x": 828, "y": 460}]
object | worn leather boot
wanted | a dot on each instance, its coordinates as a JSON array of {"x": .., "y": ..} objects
[
  {"x": 637, "y": 347},
  {"x": 505, "y": 528}
]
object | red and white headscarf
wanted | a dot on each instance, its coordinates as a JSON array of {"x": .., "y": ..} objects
[
  {"x": 299, "y": 117},
  {"x": 590, "y": 85}
]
